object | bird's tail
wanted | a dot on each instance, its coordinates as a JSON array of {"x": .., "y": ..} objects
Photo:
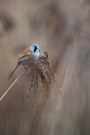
[{"x": 13, "y": 71}]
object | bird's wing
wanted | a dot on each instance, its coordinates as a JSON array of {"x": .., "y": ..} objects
[{"x": 25, "y": 54}]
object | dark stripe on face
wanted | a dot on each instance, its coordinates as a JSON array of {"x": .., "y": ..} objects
[{"x": 35, "y": 48}]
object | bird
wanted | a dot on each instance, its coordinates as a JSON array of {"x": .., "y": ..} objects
[{"x": 31, "y": 53}]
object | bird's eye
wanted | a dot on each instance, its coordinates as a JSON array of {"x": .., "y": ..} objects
[{"x": 35, "y": 48}]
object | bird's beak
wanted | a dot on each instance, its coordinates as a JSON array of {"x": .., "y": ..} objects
[
  {"x": 38, "y": 49},
  {"x": 25, "y": 54}
]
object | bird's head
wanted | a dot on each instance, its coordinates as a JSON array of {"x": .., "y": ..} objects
[{"x": 32, "y": 51}]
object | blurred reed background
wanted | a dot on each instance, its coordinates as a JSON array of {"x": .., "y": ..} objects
[{"x": 62, "y": 28}]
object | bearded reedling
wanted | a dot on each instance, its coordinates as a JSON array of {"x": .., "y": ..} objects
[{"x": 37, "y": 67}]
